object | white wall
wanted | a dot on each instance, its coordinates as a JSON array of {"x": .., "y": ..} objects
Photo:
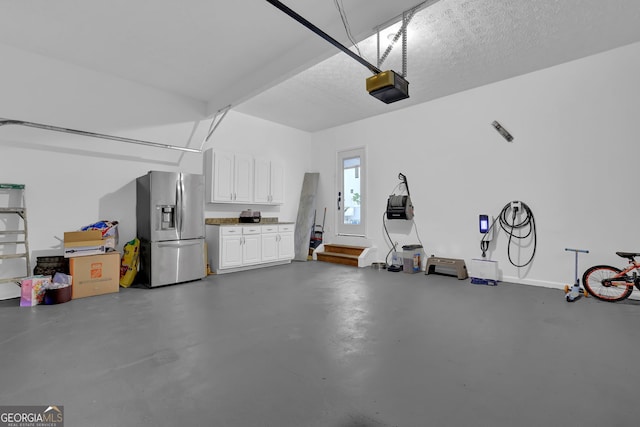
[
  {"x": 574, "y": 162},
  {"x": 73, "y": 181},
  {"x": 240, "y": 133},
  {"x": 570, "y": 123}
]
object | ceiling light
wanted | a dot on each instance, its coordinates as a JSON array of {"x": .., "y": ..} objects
[{"x": 387, "y": 86}]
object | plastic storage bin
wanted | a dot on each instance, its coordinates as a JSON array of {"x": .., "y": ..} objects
[{"x": 412, "y": 258}]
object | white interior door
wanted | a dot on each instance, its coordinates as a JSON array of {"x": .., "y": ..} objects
[{"x": 351, "y": 197}]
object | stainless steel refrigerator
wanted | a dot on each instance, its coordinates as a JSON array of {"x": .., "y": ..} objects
[{"x": 170, "y": 220}]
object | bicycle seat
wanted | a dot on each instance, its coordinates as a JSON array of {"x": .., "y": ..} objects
[{"x": 629, "y": 255}]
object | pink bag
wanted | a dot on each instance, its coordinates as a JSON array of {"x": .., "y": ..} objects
[{"x": 33, "y": 289}]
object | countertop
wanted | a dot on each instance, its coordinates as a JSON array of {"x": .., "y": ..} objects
[{"x": 236, "y": 221}]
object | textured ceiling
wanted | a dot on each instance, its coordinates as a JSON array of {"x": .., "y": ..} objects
[
  {"x": 217, "y": 51},
  {"x": 251, "y": 55},
  {"x": 453, "y": 45}
]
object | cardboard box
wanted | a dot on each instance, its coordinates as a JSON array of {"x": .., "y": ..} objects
[
  {"x": 95, "y": 274},
  {"x": 110, "y": 236},
  {"x": 83, "y": 243},
  {"x": 109, "y": 230}
]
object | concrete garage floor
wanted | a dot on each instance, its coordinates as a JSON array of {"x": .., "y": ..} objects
[{"x": 315, "y": 344}]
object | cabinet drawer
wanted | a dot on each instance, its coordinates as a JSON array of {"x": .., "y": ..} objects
[
  {"x": 255, "y": 229},
  {"x": 286, "y": 227},
  {"x": 269, "y": 228},
  {"x": 230, "y": 231}
]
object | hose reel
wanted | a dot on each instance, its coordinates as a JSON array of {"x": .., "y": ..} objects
[{"x": 400, "y": 206}]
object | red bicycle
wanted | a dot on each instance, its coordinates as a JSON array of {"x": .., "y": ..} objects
[{"x": 611, "y": 284}]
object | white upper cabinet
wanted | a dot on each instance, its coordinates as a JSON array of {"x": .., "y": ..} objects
[
  {"x": 228, "y": 176},
  {"x": 243, "y": 178},
  {"x": 277, "y": 183},
  {"x": 219, "y": 176},
  {"x": 238, "y": 178},
  {"x": 269, "y": 182},
  {"x": 262, "y": 186}
]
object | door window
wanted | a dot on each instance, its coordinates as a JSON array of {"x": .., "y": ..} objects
[{"x": 351, "y": 189}]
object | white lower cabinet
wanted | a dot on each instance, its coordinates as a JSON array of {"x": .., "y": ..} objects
[
  {"x": 285, "y": 241},
  {"x": 230, "y": 247},
  {"x": 235, "y": 248},
  {"x": 269, "y": 243},
  {"x": 251, "y": 245}
]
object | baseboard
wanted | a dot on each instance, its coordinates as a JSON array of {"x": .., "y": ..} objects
[{"x": 553, "y": 285}]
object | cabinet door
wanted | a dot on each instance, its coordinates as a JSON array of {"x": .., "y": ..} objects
[
  {"x": 285, "y": 246},
  {"x": 277, "y": 183},
  {"x": 222, "y": 177},
  {"x": 231, "y": 251},
  {"x": 269, "y": 247},
  {"x": 251, "y": 249},
  {"x": 262, "y": 180},
  {"x": 243, "y": 178}
]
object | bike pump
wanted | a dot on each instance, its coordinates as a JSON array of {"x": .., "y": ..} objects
[{"x": 575, "y": 292}]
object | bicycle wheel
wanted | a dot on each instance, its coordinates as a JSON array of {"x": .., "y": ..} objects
[{"x": 596, "y": 280}]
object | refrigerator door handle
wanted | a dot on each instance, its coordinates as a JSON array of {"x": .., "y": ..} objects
[
  {"x": 179, "y": 204},
  {"x": 178, "y": 244}
]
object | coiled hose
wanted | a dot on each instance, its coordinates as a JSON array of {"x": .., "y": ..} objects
[{"x": 514, "y": 225}]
